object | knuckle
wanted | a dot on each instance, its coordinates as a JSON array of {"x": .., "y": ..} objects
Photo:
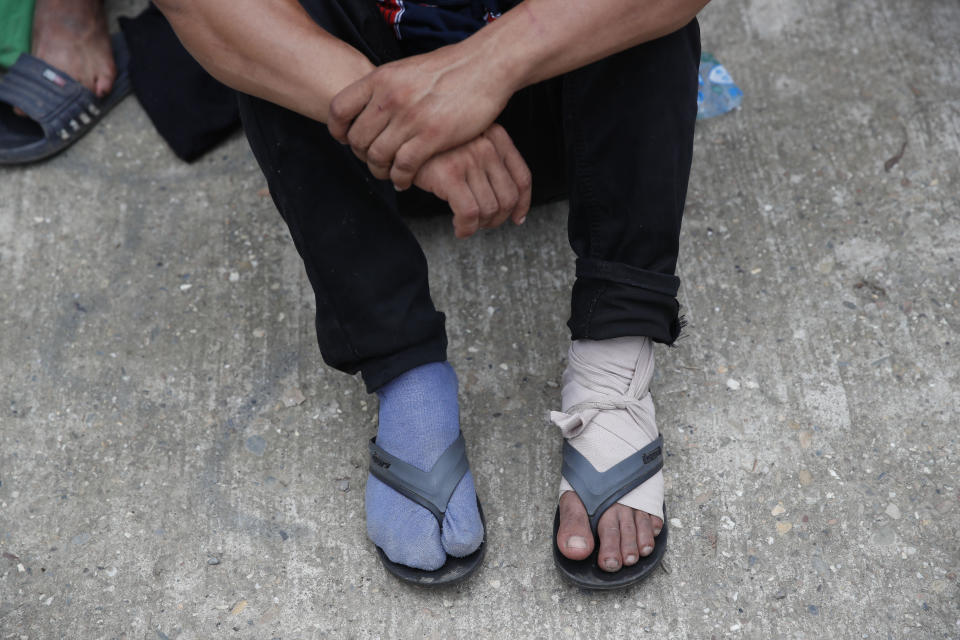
[
  {"x": 353, "y": 137},
  {"x": 337, "y": 109},
  {"x": 476, "y": 144},
  {"x": 525, "y": 180},
  {"x": 405, "y": 163},
  {"x": 377, "y": 157},
  {"x": 488, "y": 154},
  {"x": 434, "y": 129},
  {"x": 451, "y": 170},
  {"x": 485, "y": 147},
  {"x": 406, "y": 118}
]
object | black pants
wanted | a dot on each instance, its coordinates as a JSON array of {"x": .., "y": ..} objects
[
  {"x": 191, "y": 111},
  {"x": 615, "y": 136}
]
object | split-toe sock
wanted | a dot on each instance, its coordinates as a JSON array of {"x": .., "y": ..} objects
[
  {"x": 608, "y": 413},
  {"x": 419, "y": 418}
]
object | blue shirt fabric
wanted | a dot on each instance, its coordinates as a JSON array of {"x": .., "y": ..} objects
[{"x": 422, "y": 26}]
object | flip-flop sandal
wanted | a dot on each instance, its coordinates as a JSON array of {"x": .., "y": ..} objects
[
  {"x": 598, "y": 491},
  {"x": 59, "y": 109},
  {"x": 432, "y": 490}
]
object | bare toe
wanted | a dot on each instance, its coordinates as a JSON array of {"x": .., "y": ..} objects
[
  {"x": 657, "y": 525},
  {"x": 608, "y": 530},
  {"x": 574, "y": 537},
  {"x": 644, "y": 532},
  {"x": 104, "y": 80},
  {"x": 629, "y": 550}
]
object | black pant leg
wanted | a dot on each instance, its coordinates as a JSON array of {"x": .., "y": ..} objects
[
  {"x": 191, "y": 110},
  {"x": 534, "y": 119},
  {"x": 628, "y": 131},
  {"x": 369, "y": 275}
]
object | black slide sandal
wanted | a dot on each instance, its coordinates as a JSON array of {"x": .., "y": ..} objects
[
  {"x": 59, "y": 110},
  {"x": 598, "y": 491},
  {"x": 431, "y": 490}
]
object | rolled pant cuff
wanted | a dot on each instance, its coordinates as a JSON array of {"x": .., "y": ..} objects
[
  {"x": 612, "y": 300},
  {"x": 380, "y": 371}
]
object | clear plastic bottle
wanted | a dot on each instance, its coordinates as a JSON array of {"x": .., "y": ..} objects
[{"x": 717, "y": 93}]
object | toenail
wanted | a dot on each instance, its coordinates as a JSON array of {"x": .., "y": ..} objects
[
  {"x": 630, "y": 559},
  {"x": 576, "y": 542},
  {"x": 646, "y": 551},
  {"x": 611, "y": 564}
]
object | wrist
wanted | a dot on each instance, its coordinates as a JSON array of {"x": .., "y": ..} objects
[
  {"x": 503, "y": 59},
  {"x": 354, "y": 66},
  {"x": 513, "y": 45}
]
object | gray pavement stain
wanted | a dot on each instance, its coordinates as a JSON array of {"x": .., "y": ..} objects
[{"x": 256, "y": 445}]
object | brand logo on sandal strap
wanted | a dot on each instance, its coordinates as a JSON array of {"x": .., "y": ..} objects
[
  {"x": 380, "y": 462},
  {"x": 653, "y": 455},
  {"x": 54, "y": 77}
]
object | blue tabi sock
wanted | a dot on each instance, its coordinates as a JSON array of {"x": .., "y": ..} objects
[{"x": 419, "y": 419}]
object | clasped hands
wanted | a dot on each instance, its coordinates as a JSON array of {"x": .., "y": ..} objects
[{"x": 428, "y": 121}]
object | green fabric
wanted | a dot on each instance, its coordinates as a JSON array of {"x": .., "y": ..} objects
[{"x": 16, "y": 22}]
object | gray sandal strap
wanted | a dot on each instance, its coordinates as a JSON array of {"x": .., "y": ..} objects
[
  {"x": 430, "y": 489},
  {"x": 599, "y": 490}
]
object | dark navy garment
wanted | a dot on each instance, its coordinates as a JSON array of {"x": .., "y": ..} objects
[{"x": 423, "y": 26}]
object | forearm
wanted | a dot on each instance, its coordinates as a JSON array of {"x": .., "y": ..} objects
[
  {"x": 540, "y": 39},
  {"x": 271, "y": 49}
]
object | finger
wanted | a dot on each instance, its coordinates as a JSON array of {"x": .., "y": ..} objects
[
  {"x": 524, "y": 180},
  {"x": 366, "y": 127},
  {"x": 518, "y": 169},
  {"x": 382, "y": 150},
  {"x": 608, "y": 529},
  {"x": 346, "y": 106},
  {"x": 487, "y": 155},
  {"x": 466, "y": 211},
  {"x": 379, "y": 171},
  {"x": 410, "y": 157},
  {"x": 644, "y": 532},
  {"x": 360, "y": 153},
  {"x": 483, "y": 193},
  {"x": 628, "y": 538},
  {"x": 504, "y": 189}
]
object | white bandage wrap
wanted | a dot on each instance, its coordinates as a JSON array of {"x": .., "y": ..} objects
[{"x": 608, "y": 412}]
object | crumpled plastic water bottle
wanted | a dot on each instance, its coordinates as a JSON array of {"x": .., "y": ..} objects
[{"x": 717, "y": 93}]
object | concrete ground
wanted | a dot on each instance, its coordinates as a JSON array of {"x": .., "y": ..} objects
[{"x": 177, "y": 462}]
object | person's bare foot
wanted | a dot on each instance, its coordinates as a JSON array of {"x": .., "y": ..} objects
[
  {"x": 625, "y": 534},
  {"x": 72, "y": 36},
  {"x": 608, "y": 416}
]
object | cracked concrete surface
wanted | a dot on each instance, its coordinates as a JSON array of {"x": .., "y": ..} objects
[{"x": 177, "y": 462}]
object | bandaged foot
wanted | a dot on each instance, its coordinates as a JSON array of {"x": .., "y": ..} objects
[
  {"x": 608, "y": 415},
  {"x": 419, "y": 419}
]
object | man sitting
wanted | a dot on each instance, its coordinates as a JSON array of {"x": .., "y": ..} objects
[{"x": 358, "y": 110}]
